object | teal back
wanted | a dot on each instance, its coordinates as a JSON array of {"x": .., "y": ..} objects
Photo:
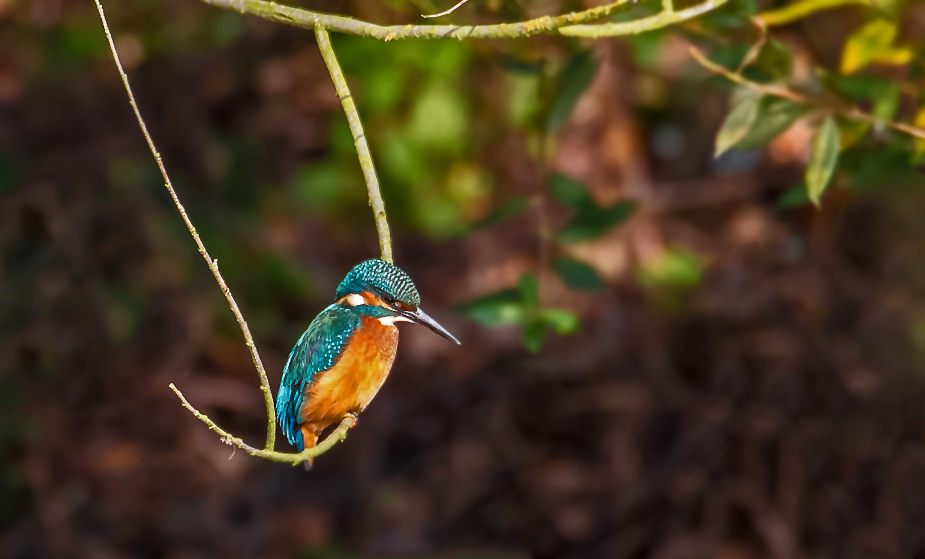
[{"x": 317, "y": 350}]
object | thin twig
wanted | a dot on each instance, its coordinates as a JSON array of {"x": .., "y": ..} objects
[
  {"x": 341, "y": 24},
  {"x": 359, "y": 141},
  {"x": 213, "y": 264},
  {"x": 851, "y": 113},
  {"x": 339, "y": 434},
  {"x": 447, "y": 12},
  {"x": 799, "y": 10},
  {"x": 663, "y": 19}
]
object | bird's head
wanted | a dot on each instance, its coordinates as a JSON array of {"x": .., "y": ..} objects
[{"x": 386, "y": 292}]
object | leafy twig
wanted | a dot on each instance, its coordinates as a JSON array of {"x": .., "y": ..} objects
[
  {"x": 213, "y": 264},
  {"x": 359, "y": 141},
  {"x": 851, "y": 113}
]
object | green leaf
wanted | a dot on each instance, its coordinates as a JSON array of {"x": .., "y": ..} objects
[
  {"x": 529, "y": 289},
  {"x": 524, "y": 100},
  {"x": 822, "y": 160},
  {"x": 887, "y": 102},
  {"x": 572, "y": 82},
  {"x": 504, "y": 210},
  {"x": 850, "y": 132},
  {"x": 775, "y": 59},
  {"x": 678, "y": 268},
  {"x": 562, "y": 321},
  {"x": 439, "y": 119},
  {"x": 884, "y": 168},
  {"x": 856, "y": 88},
  {"x": 591, "y": 224},
  {"x": 794, "y": 197},
  {"x": 533, "y": 335},
  {"x": 645, "y": 48},
  {"x": 498, "y": 309},
  {"x": 320, "y": 185},
  {"x": 873, "y": 43},
  {"x": 571, "y": 193},
  {"x": 737, "y": 124},
  {"x": 226, "y": 27},
  {"x": 774, "y": 116},
  {"x": 577, "y": 274}
]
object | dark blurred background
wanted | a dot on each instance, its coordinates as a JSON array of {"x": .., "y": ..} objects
[{"x": 738, "y": 374}]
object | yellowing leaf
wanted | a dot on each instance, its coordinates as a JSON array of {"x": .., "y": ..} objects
[
  {"x": 873, "y": 43},
  {"x": 799, "y": 10},
  {"x": 851, "y": 132},
  {"x": 737, "y": 124},
  {"x": 822, "y": 160},
  {"x": 920, "y": 122}
]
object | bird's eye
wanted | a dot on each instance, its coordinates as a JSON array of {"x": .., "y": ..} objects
[{"x": 389, "y": 300}]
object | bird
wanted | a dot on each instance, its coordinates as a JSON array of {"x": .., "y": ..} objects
[{"x": 342, "y": 360}]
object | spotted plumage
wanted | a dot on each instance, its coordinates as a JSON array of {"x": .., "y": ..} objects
[
  {"x": 380, "y": 276},
  {"x": 345, "y": 355}
]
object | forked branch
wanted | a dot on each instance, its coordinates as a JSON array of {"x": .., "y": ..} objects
[
  {"x": 566, "y": 24},
  {"x": 267, "y": 452},
  {"x": 339, "y": 434}
]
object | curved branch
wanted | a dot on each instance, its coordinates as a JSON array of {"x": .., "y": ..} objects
[
  {"x": 213, "y": 264},
  {"x": 339, "y": 434},
  {"x": 310, "y": 20},
  {"x": 359, "y": 141},
  {"x": 667, "y": 17},
  {"x": 447, "y": 12}
]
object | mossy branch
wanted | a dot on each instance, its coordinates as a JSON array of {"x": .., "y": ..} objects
[
  {"x": 567, "y": 24},
  {"x": 359, "y": 142},
  {"x": 667, "y": 17}
]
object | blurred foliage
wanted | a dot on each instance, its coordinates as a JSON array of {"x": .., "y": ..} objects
[
  {"x": 758, "y": 116},
  {"x": 521, "y": 306},
  {"x": 715, "y": 353}
]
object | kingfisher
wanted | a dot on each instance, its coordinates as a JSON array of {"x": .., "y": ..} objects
[{"x": 343, "y": 358}]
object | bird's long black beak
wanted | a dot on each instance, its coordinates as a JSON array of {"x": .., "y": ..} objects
[{"x": 421, "y": 317}]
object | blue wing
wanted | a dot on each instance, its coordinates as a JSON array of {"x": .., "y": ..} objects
[{"x": 317, "y": 350}]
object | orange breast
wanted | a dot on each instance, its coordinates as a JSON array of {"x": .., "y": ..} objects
[{"x": 352, "y": 383}]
